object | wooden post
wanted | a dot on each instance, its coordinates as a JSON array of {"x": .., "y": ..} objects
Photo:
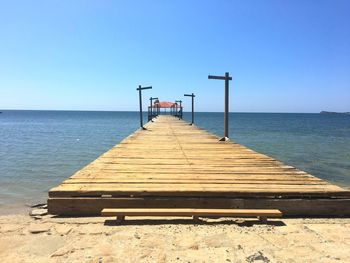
[
  {"x": 262, "y": 219},
  {"x": 227, "y": 78},
  {"x": 191, "y": 95},
  {"x": 196, "y": 219},
  {"x": 140, "y": 101},
  {"x": 120, "y": 218}
]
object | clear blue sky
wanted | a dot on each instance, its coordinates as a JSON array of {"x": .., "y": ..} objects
[{"x": 284, "y": 56}]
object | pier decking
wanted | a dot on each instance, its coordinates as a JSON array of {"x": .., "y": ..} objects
[{"x": 174, "y": 164}]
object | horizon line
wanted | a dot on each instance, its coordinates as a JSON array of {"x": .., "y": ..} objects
[{"x": 146, "y": 111}]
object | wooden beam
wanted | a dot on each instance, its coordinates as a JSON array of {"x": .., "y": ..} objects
[
  {"x": 88, "y": 206},
  {"x": 121, "y": 213}
]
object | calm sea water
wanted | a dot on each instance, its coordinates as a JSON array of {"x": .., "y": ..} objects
[{"x": 38, "y": 149}]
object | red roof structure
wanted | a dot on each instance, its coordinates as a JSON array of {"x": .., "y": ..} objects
[
  {"x": 154, "y": 110},
  {"x": 165, "y": 104}
]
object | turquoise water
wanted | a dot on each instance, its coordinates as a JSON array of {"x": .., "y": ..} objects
[{"x": 38, "y": 149}]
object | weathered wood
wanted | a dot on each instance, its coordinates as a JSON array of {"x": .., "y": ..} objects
[
  {"x": 90, "y": 206},
  {"x": 262, "y": 214},
  {"x": 188, "y": 181},
  {"x": 120, "y": 218},
  {"x": 173, "y": 160},
  {"x": 263, "y": 219}
]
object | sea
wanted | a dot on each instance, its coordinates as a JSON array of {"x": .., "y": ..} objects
[{"x": 39, "y": 149}]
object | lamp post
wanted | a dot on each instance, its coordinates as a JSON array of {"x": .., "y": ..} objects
[
  {"x": 227, "y": 78},
  {"x": 191, "y": 95},
  {"x": 140, "y": 101}
]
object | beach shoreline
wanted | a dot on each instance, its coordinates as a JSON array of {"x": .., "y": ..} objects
[
  {"x": 99, "y": 239},
  {"x": 21, "y": 208}
]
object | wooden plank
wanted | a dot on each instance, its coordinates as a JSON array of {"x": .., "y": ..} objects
[
  {"x": 164, "y": 187},
  {"x": 190, "y": 212},
  {"x": 215, "y": 177},
  {"x": 204, "y": 192},
  {"x": 187, "y": 181},
  {"x": 179, "y": 167},
  {"x": 88, "y": 206}
]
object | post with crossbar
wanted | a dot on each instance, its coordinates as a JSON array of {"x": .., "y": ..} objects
[
  {"x": 140, "y": 101},
  {"x": 180, "y": 112},
  {"x": 227, "y": 78},
  {"x": 151, "y": 108},
  {"x": 191, "y": 95}
]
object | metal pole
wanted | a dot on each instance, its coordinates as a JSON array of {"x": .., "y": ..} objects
[
  {"x": 192, "y": 108},
  {"x": 181, "y": 109},
  {"x": 226, "y": 104},
  {"x": 153, "y": 113},
  {"x": 150, "y": 100},
  {"x": 191, "y": 95},
  {"x": 140, "y": 101},
  {"x": 179, "y": 113},
  {"x": 227, "y": 78}
]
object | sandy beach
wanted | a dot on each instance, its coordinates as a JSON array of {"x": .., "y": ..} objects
[
  {"x": 175, "y": 108},
  {"x": 100, "y": 239}
]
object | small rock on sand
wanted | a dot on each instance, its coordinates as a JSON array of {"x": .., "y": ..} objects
[
  {"x": 63, "y": 229},
  {"x": 39, "y": 228},
  {"x": 40, "y": 205},
  {"x": 61, "y": 252},
  {"x": 38, "y": 212},
  {"x": 258, "y": 256}
]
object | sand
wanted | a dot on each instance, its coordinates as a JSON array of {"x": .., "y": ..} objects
[{"x": 100, "y": 239}]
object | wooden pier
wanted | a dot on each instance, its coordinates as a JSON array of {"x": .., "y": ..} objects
[{"x": 176, "y": 165}]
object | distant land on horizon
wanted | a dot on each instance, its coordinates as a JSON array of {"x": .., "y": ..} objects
[{"x": 332, "y": 112}]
